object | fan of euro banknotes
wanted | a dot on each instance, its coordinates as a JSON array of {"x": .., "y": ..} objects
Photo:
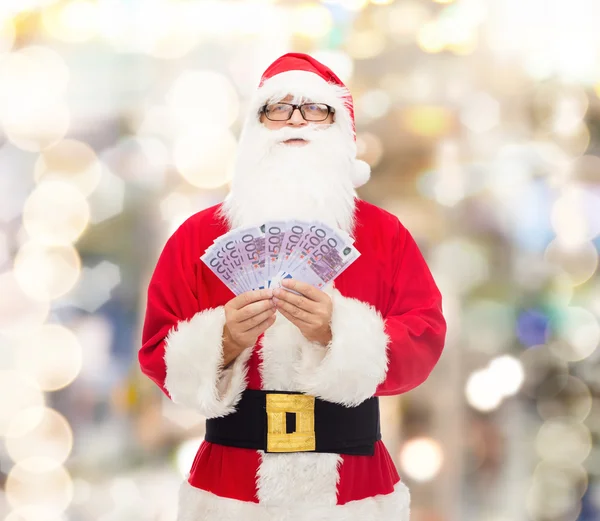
[{"x": 261, "y": 257}]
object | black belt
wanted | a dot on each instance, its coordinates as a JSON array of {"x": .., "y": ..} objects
[{"x": 280, "y": 421}]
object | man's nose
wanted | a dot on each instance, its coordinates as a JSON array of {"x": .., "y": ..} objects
[{"x": 297, "y": 120}]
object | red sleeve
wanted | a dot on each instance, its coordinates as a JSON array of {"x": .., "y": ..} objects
[
  {"x": 414, "y": 322},
  {"x": 171, "y": 299}
]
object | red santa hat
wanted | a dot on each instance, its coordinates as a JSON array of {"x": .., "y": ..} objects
[{"x": 302, "y": 76}]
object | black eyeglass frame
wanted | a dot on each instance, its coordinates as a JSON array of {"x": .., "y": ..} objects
[{"x": 300, "y": 107}]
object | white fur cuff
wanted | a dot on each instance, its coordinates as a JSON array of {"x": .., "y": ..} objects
[
  {"x": 194, "y": 361},
  {"x": 355, "y": 362}
]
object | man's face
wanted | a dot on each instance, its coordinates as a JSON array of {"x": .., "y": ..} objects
[{"x": 295, "y": 121}]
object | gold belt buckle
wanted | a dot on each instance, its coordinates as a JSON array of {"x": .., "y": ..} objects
[{"x": 303, "y": 439}]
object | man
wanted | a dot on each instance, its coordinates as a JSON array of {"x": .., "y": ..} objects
[{"x": 305, "y": 358}]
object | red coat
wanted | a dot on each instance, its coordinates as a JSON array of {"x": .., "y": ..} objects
[{"x": 388, "y": 334}]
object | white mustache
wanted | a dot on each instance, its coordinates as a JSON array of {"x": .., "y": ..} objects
[{"x": 308, "y": 133}]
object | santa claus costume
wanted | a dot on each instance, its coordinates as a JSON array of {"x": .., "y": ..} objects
[{"x": 387, "y": 325}]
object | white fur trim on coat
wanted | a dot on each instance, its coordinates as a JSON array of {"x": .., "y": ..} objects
[
  {"x": 354, "y": 363},
  {"x": 196, "y": 504},
  {"x": 194, "y": 361}
]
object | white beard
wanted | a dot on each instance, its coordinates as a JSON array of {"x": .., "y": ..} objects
[{"x": 273, "y": 181}]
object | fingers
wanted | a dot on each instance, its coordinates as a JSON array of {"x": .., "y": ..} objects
[
  {"x": 250, "y": 297},
  {"x": 296, "y": 300},
  {"x": 309, "y": 291},
  {"x": 262, "y": 327},
  {"x": 290, "y": 311},
  {"x": 256, "y": 320},
  {"x": 253, "y": 309}
]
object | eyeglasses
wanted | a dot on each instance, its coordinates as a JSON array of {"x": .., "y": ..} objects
[{"x": 309, "y": 111}]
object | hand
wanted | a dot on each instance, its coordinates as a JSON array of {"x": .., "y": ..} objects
[
  {"x": 247, "y": 316},
  {"x": 310, "y": 312}
]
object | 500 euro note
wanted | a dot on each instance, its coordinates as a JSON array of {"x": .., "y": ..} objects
[{"x": 326, "y": 262}]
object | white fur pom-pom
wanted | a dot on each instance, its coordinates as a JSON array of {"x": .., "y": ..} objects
[{"x": 361, "y": 174}]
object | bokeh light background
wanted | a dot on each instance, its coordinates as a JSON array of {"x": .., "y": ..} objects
[{"x": 481, "y": 121}]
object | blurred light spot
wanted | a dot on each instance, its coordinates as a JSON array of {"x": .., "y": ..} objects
[
  {"x": 575, "y": 215},
  {"x": 482, "y": 391},
  {"x": 560, "y": 291},
  {"x": 545, "y": 373},
  {"x": 185, "y": 454},
  {"x": 431, "y": 38},
  {"x": 427, "y": 121},
  {"x": 508, "y": 372},
  {"x": 202, "y": 99},
  {"x": 183, "y": 417},
  {"x": 52, "y": 356},
  {"x": 568, "y": 221},
  {"x": 70, "y": 161},
  {"x": 153, "y": 162},
  {"x": 56, "y": 213},
  {"x": 576, "y": 143},
  {"x": 95, "y": 286},
  {"x": 404, "y": 19},
  {"x": 165, "y": 30},
  {"x": 365, "y": 44},
  {"x": 481, "y": 112},
  {"x": 311, "y": 20},
  {"x": 176, "y": 204},
  {"x": 375, "y": 103},
  {"x": 19, "y": 313},
  {"x": 46, "y": 272},
  {"x": 156, "y": 121},
  {"x": 34, "y": 131},
  {"x": 3, "y": 248},
  {"x": 382, "y": 2},
  {"x": 421, "y": 458},
  {"x": 556, "y": 490},
  {"x": 47, "y": 487},
  {"x": 559, "y": 440},
  {"x": 217, "y": 18},
  {"x": 17, "y": 393},
  {"x": 7, "y": 34},
  {"x": 124, "y": 491},
  {"x": 39, "y": 434},
  {"x": 487, "y": 326},
  {"x": 459, "y": 25},
  {"x": 73, "y": 21},
  {"x": 450, "y": 186},
  {"x": 572, "y": 402},
  {"x": 337, "y": 61},
  {"x": 369, "y": 148},
  {"x": 33, "y": 513},
  {"x": 580, "y": 332},
  {"x": 82, "y": 491},
  {"x": 532, "y": 327},
  {"x": 15, "y": 7},
  {"x": 578, "y": 261},
  {"x": 33, "y": 77},
  {"x": 463, "y": 262},
  {"x": 467, "y": 45},
  {"x": 143, "y": 161},
  {"x": 568, "y": 114},
  {"x": 108, "y": 199},
  {"x": 205, "y": 160},
  {"x": 352, "y": 5},
  {"x": 586, "y": 168}
]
